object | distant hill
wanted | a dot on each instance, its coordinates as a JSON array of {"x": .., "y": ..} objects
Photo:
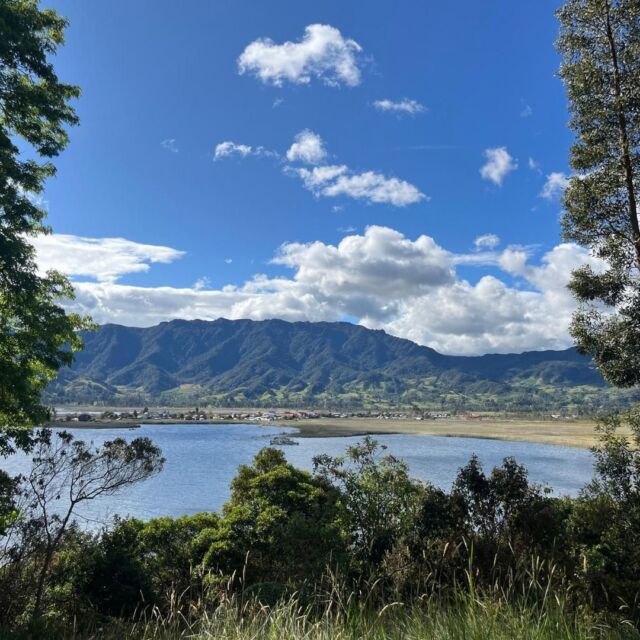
[{"x": 334, "y": 364}]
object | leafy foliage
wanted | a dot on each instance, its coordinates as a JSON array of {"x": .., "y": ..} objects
[
  {"x": 600, "y": 44},
  {"x": 607, "y": 518},
  {"x": 36, "y": 336},
  {"x": 379, "y": 499},
  {"x": 65, "y": 474},
  {"x": 281, "y": 524}
]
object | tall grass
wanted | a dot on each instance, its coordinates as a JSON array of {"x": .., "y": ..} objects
[
  {"x": 464, "y": 619},
  {"x": 509, "y": 610}
]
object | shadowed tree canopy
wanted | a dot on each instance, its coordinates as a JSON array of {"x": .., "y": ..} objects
[
  {"x": 37, "y": 337},
  {"x": 600, "y": 45},
  {"x": 66, "y": 474},
  {"x": 284, "y": 518}
]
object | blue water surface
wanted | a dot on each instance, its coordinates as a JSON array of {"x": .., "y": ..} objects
[{"x": 202, "y": 459}]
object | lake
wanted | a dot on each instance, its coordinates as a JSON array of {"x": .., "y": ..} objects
[{"x": 201, "y": 461}]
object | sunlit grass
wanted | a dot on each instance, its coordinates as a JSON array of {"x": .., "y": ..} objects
[
  {"x": 463, "y": 620},
  {"x": 526, "y": 611}
]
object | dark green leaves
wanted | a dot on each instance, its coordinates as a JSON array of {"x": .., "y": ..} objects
[
  {"x": 37, "y": 337},
  {"x": 600, "y": 45}
]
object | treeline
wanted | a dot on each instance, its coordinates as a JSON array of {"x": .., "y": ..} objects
[
  {"x": 357, "y": 525},
  {"x": 585, "y": 401}
]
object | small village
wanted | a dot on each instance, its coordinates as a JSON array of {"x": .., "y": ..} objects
[{"x": 145, "y": 415}]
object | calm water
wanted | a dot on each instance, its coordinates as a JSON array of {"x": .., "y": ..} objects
[{"x": 203, "y": 459}]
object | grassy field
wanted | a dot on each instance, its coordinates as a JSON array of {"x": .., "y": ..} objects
[{"x": 572, "y": 433}]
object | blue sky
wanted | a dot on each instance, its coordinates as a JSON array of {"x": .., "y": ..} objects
[{"x": 164, "y": 83}]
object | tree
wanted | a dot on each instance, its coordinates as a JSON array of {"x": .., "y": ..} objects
[
  {"x": 600, "y": 45},
  {"x": 154, "y": 559},
  {"x": 37, "y": 337},
  {"x": 380, "y": 501},
  {"x": 496, "y": 506},
  {"x": 607, "y": 516},
  {"x": 65, "y": 474},
  {"x": 280, "y": 525}
]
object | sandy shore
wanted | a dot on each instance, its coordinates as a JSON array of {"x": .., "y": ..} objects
[{"x": 568, "y": 433}]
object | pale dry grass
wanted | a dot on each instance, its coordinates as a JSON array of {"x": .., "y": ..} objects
[{"x": 568, "y": 433}]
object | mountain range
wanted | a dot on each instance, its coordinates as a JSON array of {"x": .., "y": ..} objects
[{"x": 337, "y": 364}]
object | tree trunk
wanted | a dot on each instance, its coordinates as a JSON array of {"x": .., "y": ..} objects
[
  {"x": 40, "y": 584},
  {"x": 624, "y": 140},
  {"x": 48, "y": 556}
]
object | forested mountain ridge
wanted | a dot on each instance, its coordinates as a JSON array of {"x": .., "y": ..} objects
[{"x": 246, "y": 362}]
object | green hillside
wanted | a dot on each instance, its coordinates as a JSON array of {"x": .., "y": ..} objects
[{"x": 272, "y": 362}]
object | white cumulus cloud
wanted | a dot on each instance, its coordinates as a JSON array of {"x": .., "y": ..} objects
[
  {"x": 374, "y": 187},
  {"x": 307, "y": 147},
  {"x": 337, "y": 180},
  {"x": 386, "y": 280},
  {"x": 498, "y": 165},
  {"x": 322, "y": 53},
  {"x": 328, "y": 180}
]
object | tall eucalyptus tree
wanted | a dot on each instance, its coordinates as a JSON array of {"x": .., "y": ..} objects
[{"x": 600, "y": 45}]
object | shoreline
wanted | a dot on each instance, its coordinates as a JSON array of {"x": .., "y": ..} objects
[
  {"x": 566, "y": 433},
  {"x": 579, "y": 434}
]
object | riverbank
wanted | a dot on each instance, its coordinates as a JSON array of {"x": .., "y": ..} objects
[{"x": 567, "y": 433}]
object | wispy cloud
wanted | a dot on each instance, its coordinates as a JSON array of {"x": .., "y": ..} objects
[
  {"x": 103, "y": 259},
  {"x": 229, "y": 149},
  {"x": 404, "y": 106},
  {"x": 554, "y": 186},
  {"x": 498, "y": 165},
  {"x": 322, "y": 53},
  {"x": 534, "y": 165},
  {"x": 170, "y": 145},
  {"x": 486, "y": 241},
  {"x": 202, "y": 283}
]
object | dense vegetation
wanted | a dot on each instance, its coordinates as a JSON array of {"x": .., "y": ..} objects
[
  {"x": 277, "y": 363},
  {"x": 356, "y": 546},
  {"x": 600, "y": 46},
  {"x": 37, "y": 337}
]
